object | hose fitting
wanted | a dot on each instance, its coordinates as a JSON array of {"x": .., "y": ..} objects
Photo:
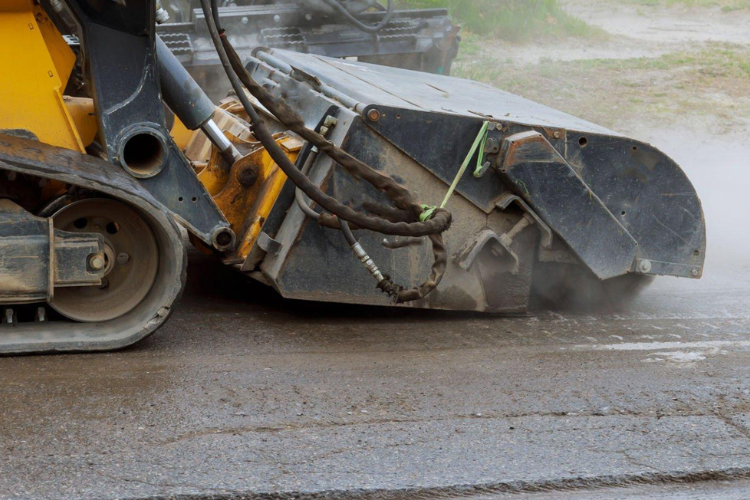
[{"x": 368, "y": 262}]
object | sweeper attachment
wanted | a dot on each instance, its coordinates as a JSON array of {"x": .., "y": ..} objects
[{"x": 328, "y": 180}]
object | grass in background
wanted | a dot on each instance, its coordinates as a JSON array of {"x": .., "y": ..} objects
[
  {"x": 512, "y": 20},
  {"x": 726, "y": 5},
  {"x": 712, "y": 82}
]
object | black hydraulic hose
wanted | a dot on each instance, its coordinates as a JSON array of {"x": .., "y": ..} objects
[
  {"x": 384, "y": 282},
  {"x": 402, "y": 198},
  {"x": 350, "y": 238},
  {"x": 439, "y": 223},
  {"x": 359, "y": 24},
  {"x": 370, "y": 4},
  {"x": 215, "y": 13},
  {"x": 409, "y": 209},
  {"x": 376, "y": 5}
]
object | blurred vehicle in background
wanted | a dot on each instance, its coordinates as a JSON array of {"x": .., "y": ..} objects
[{"x": 422, "y": 39}]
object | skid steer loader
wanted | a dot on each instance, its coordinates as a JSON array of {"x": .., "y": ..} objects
[{"x": 326, "y": 179}]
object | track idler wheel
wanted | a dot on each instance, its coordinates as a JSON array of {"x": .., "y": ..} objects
[{"x": 130, "y": 263}]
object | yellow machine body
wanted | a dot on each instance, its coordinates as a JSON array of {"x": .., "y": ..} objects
[
  {"x": 32, "y": 87},
  {"x": 127, "y": 238},
  {"x": 37, "y": 64},
  {"x": 245, "y": 205}
]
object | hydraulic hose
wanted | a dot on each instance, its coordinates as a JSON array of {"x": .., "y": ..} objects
[
  {"x": 402, "y": 198},
  {"x": 238, "y": 76},
  {"x": 433, "y": 227},
  {"x": 369, "y": 4},
  {"x": 308, "y": 210},
  {"x": 384, "y": 282}
]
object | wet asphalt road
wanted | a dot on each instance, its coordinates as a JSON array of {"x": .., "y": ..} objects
[{"x": 243, "y": 392}]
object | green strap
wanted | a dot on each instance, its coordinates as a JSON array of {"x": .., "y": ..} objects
[
  {"x": 427, "y": 210},
  {"x": 481, "y": 139},
  {"x": 480, "y": 156}
]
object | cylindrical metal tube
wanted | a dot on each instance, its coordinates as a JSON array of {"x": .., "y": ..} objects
[
  {"x": 218, "y": 139},
  {"x": 182, "y": 94},
  {"x": 216, "y": 136}
]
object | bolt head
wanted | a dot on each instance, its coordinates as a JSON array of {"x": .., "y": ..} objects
[
  {"x": 223, "y": 238},
  {"x": 97, "y": 262},
  {"x": 695, "y": 272},
  {"x": 644, "y": 266},
  {"x": 248, "y": 176},
  {"x": 245, "y": 20},
  {"x": 373, "y": 115}
]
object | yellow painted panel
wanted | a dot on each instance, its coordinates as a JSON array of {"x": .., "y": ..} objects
[
  {"x": 181, "y": 134},
  {"x": 83, "y": 114},
  {"x": 31, "y": 82},
  {"x": 274, "y": 180},
  {"x": 62, "y": 56}
]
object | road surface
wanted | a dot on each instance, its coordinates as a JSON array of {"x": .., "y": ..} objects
[{"x": 245, "y": 393}]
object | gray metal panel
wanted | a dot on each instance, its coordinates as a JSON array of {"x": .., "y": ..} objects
[
  {"x": 545, "y": 181},
  {"x": 374, "y": 85},
  {"x": 632, "y": 180}
]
